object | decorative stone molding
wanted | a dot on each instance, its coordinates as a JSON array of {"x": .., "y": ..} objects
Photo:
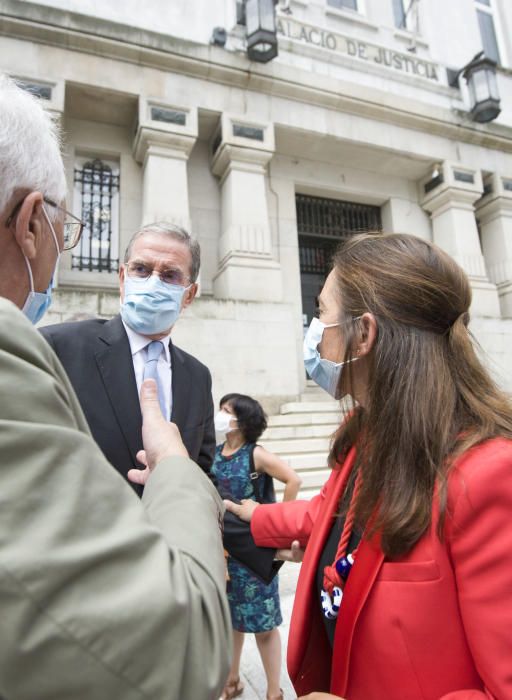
[
  {"x": 240, "y": 152},
  {"x": 494, "y": 214},
  {"x": 449, "y": 196},
  {"x": 164, "y": 139},
  {"x": 51, "y": 92}
]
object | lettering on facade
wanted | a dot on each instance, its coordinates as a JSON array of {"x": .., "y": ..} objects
[{"x": 357, "y": 49}]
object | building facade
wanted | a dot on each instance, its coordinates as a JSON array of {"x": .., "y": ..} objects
[{"x": 353, "y": 126}]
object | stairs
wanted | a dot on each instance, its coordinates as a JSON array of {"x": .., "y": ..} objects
[{"x": 300, "y": 435}]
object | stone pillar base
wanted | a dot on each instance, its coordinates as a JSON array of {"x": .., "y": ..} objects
[{"x": 248, "y": 279}]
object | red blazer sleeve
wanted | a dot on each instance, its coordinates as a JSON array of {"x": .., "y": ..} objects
[
  {"x": 278, "y": 524},
  {"x": 480, "y": 542}
]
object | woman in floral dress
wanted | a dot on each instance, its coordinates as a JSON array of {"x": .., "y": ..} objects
[{"x": 255, "y": 606}]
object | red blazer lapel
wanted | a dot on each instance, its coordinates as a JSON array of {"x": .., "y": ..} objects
[
  {"x": 306, "y": 624},
  {"x": 359, "y": 584}
]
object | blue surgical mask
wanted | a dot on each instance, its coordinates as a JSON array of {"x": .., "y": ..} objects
[
  {"x": 38, "y": 303},
  {"x": 151, "y": 306},
  {"x": 325, "y": 373}
]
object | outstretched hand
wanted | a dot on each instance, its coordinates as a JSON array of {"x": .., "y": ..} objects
[
  {"x": 244, "y": 510},
  {"x": 160, "y": 438}
]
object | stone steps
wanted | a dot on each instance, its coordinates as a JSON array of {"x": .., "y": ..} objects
[
  {"x": 298, "y": 445},
  {"x": 320, "y": 418},
  {"x": 301, "y": 435},
  {"x": 289, "y": 432}
]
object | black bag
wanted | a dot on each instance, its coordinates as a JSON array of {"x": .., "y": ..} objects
[{"x": 262, "y": 483}]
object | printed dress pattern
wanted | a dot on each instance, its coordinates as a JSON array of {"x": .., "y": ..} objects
[{"x": 254, "y": 606}]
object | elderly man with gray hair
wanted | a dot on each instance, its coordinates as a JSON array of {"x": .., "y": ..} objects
[{"x": 102, "y": 595}]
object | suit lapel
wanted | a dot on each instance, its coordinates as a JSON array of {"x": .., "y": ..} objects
[
  {"x": 114, "y": 361},
  {"x": 182, "y": 390}
]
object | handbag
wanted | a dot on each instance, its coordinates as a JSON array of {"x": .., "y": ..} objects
[{"x": 262, "y": 483}]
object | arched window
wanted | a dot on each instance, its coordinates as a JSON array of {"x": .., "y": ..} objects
[{"x": 96, "y": 192}]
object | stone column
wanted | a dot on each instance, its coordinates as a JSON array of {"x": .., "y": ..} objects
[
  {"x": 450, "y": 197},
  {"x": 247, "y": 269},
  {"x": 494, "y": 213},
  {"x": 163, "y": 142}
]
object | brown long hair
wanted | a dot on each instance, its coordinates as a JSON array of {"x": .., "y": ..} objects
[{"x": 428, "y": 396}]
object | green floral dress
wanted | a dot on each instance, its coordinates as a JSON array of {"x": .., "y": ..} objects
[{"x": 254, "y": 605}]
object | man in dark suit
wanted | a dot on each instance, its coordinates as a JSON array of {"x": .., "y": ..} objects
[{"x": 107, "y": 361}]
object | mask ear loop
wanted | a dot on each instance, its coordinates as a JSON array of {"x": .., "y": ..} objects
[{"x": 30, "y": 275}]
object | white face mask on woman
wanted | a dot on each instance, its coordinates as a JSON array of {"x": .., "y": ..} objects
[
  {"x": 222, "y": 420},
  {"x": 325, "y": 373}
]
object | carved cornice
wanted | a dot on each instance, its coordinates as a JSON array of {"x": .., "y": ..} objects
[{"x": 91, "y": 35}]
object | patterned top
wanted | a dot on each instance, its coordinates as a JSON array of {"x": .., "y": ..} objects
[{"x": 254, "y": 605}]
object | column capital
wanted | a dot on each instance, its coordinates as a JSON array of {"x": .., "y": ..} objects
[
  {"x": 229, "y": 157},
  {"x": 241, "y": 144},
  {"x": 453, "y": 184},
  {"x": 162, "y": 143},
  {"x": 164, "y": 129},
  {"x": 50, "y": 92},
  {"x": 497, "y": 199}
]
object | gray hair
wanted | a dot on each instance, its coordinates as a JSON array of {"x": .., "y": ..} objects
[
  {"x": 30, "y": 155},
  {"x": 178, "y": 234}
]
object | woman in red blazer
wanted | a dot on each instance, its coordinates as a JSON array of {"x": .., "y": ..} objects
[{"x": 405, "y": 591}]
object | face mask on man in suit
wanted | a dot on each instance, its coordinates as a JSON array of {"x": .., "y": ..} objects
[{"x": 151, "y": 306}]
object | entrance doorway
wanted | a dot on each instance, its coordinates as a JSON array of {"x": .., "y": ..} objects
[{"x": 322, "y": 225}]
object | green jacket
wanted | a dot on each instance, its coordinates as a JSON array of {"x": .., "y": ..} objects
[{"x": 102, "y": 596}]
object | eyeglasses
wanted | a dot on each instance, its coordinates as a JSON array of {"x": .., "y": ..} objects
[
  {"x": 73, "y": 226},
  {"x": 143, "y": 271}
]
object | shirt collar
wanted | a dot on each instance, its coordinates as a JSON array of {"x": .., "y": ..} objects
[{"x": 138, "y": 342}]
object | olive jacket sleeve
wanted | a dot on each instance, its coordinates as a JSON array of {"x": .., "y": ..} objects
[{"x": 101, "y": 595}]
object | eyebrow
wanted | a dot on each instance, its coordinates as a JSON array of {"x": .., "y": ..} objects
[{"x": 140, "y": 261}]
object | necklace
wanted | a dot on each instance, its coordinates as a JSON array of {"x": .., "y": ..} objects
[{"x": 336, "y": 575}]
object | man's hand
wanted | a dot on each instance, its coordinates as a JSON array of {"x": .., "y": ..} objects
[
  {"x": 161, "y": 439},
  {"x": 320, "y": 696},
  {"x": 294, "y": 554},
  {"x": 244, "y": 511}
]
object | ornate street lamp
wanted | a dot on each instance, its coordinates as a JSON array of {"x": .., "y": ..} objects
[
  {"x": 260, "y": 21},
  {"x": 480, "y": 75}
]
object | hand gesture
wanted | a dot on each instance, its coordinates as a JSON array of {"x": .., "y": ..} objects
[{"x": 160, "y": 438}]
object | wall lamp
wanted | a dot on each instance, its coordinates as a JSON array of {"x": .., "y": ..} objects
[
  {"x": 480, "y": 75},
  {"x": 259, "y": 17}
]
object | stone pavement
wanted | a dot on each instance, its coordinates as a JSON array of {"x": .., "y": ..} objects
[{"x": 252, "y": 673}]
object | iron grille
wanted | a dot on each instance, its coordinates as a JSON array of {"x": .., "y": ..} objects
[
  {"x": 322, "y": 224},
  {"x": 98, "y": 185},
  {"x": 333, "y": 218},
  {"x": 316, "y": 254}
]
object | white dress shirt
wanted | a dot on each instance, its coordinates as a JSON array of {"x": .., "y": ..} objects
[{"x": 138, "y": 346}]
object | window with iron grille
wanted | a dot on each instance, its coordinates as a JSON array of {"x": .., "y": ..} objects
[
  {"x": 96, "y": 201},
  {"x": 333, "y": 218},
  {"x": 322, "y": 225}
]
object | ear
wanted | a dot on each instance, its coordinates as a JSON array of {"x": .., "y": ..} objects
[
  {"x": 367, "y": 334},
  {"x": 29, "y": 224},
  {"x": 189, "y": 296}
]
